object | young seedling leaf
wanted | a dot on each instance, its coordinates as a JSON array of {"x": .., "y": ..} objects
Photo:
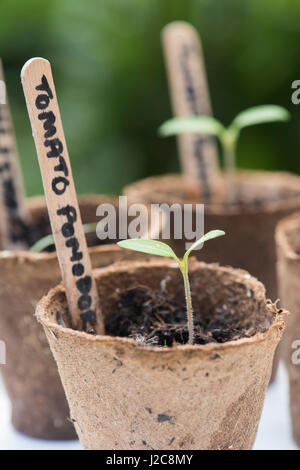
[
  {"x": 151, "y": 247},
  {"x": 260, "y": 115},
  {"x": 228, "y": 137},
  {"x": 194, "y": 124},
  {"x": 44, "y": 242},
  {"x": 208, "y": 236}
]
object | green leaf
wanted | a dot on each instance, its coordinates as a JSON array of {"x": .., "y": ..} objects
[
  {"x": 260, "y": 115},
  {"x": 208, "y": 236},
  {"x": 42, "y": 244},
  {"x": 151, "y": 247},
  {"x": 194, "y": 124},
  {"x": 48, "y": 240}
]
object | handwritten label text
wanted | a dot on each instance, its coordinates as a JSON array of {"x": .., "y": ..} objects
[{"x": 67, "y": 214}]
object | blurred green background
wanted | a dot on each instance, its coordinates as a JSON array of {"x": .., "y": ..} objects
[{"x": 111, "y": 83}]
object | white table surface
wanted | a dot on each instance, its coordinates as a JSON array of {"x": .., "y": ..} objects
[{"x": 274, "y": 431}]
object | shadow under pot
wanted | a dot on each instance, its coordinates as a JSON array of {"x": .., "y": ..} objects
[
  {"x": 288, "y": 266},
  {"x": 140, "y": 386},
  {"x": 39, "y": 406}
]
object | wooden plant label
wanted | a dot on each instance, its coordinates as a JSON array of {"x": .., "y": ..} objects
[
  {"x": 190, "y": 96},
  {"x": 13, "y": 212},
  {"x": 61, "y": 196}
]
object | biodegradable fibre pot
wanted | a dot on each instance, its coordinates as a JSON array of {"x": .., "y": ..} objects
[
  {"x": 288, "y": 266},
  {"x": 125, "y": 395},
  {"x": 264, "y": 198},
  {"x": 39, "y": 406}
]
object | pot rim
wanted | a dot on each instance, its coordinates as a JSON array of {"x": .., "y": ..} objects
[
  {"x": 276, "y": 327},
  {"x": 281, "y": 231},
  {"x": 216, "y": 208},
  {"x": 39, "y": 202}
]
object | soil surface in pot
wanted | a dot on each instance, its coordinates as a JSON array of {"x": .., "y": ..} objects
[{"x": 150, "y": 318}]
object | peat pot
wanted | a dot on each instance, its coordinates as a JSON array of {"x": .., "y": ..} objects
[
  {"x": 263, "y": 198},
  {"x": 127, "y": 395},
  {"x": 288, "y": 246},
  {"x": 39, "y": 406}
]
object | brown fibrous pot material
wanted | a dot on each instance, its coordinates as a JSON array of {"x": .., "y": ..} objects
[
  {"x": 288, "y": 268},
  {"x": 39, "y": 406},
  {"x": 125, "y": 395},
  {"x": 263, "y": 199}
]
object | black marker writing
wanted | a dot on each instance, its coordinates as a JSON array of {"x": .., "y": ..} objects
[
  {"x": 84, "y": 284},
  {"x": 17, "y": 228},
  {"x": 191, "y": 97},
  {"x": 55, "y": 145},
  {"x": 190, "y": 91}
]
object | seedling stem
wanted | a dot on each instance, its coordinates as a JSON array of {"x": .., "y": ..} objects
[
  {"x": 157, "y": 248},
  {"x": 228, "y": 137}
]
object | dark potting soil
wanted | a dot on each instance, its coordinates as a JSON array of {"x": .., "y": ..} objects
[{"x": 148, "y": 317}]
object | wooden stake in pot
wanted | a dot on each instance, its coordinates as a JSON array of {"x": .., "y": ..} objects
[
  {"x": 61, "y": 196},
  {"x": 190, "y": 96},
  {"x": 13, "y": 211},
  {"x": 223, "y": 385}
]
